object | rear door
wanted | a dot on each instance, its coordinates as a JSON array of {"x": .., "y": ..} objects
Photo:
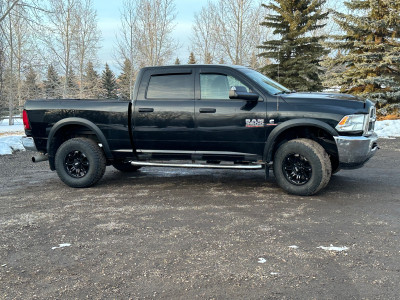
[
  {"x": 164, "y": 111},
  {"x": 227, "y": 125}
]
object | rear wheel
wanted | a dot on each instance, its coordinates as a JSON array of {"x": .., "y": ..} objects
[
  {"x": 302, "y": 167},
  {"x": 80, "y": 162}
]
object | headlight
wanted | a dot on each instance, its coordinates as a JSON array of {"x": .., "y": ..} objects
[{"x": 351, "y": 123}]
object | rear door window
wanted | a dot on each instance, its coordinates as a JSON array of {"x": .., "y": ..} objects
[{"x": 171, "y": 86}]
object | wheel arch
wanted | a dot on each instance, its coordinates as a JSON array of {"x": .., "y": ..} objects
[
  {"x": 299, "y": 128},
  {"x": 73, "y": 127}
]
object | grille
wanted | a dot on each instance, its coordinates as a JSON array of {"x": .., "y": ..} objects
[{"x": 370, "y": 124}]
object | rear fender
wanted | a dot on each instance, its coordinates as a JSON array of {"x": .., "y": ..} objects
[{"x": 81, "y": 122}]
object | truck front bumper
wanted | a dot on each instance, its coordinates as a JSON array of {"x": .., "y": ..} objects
[{"x": 355, "y": 151}]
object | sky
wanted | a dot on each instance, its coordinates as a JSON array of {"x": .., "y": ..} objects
[{"x": 108, "y": 13}]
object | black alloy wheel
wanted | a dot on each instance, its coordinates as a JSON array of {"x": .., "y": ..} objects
[
  {"x": 76, "y": 164},
  {"x": 297, "y": 169}
]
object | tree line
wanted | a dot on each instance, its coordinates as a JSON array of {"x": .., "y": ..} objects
[{"x": 49, "y": 49}]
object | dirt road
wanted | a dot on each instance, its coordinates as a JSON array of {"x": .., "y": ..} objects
[{"x": 206, "y": 234}]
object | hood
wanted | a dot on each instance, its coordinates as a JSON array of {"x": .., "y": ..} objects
[{"x": 323, "y": 99}]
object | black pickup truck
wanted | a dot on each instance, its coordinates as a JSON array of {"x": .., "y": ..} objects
[{"x": 205, "y": 116}]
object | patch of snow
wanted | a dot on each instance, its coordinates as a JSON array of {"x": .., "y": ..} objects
[
  {"x": 16, "y": 129},
  {"x": 274, "y": 273},
  {"x": 10, "y": 144},
  {"x": 294, "y": 247},
  {"x": 333, "y": 248},
  {"x": 61, "y": 246},
  {"x": 262, "y": 260},
  {"x": 388, "y": 128}
]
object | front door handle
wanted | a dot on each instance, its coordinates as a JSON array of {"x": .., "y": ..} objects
[
  {"x": 207, "y": 110},
  {"x": 146, "y": 109}
]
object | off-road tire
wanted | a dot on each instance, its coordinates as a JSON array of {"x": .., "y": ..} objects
[
  {"x": 312, "y": 156},
  {"x": 87, "y": 156}
]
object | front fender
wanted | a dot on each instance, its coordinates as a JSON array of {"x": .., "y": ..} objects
[{"x": 281, "y": 128}]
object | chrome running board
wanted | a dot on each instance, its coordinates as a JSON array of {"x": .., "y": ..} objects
[{"x": 203, "y": 166}]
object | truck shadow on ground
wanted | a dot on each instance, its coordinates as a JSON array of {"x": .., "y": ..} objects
[{"x": 341, "y": 183}]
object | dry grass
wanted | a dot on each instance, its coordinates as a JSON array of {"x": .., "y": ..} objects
[{"x": 395, "y": 116}]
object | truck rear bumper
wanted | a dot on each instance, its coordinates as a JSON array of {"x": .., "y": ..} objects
[
  {"x": 29, "y": 143},
  {"x": 355, "y": 151}
]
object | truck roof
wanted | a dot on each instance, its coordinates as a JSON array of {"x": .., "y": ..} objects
[{"x": 196, "y": 66}]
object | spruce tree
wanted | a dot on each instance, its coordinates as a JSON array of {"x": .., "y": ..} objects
[
  {"x": 296, "y": 52},
  {"x": 125, "y": 81},
  {"x": 91, "y": 82},
  {"x": 208, "y": 58},
  {"x": 52, "y": 84},
  {"x": 72, "y": 84},
  {"x": 369, "y": 51},
  {"x": 192, "y": 59},
  {"x": 177, "y": 61},
  {"x": 109, "y": 83},
  {"x": 31, "y": 88}
]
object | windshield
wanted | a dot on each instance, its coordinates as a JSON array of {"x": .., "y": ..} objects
[{"x": 268, "y": 84}]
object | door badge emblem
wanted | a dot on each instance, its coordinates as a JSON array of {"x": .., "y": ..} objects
[{"x": 254, "y": 122}]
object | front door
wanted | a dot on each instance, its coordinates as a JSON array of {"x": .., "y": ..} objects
[{"x": 227, "y": 125}]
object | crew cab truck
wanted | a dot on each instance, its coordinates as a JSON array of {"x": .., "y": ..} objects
[{"x": 205, "y": 116}]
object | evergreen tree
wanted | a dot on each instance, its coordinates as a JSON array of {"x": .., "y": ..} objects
[
  {"x": 369, "y": 51},
  {"x": 31, "y": 88},
  {"x": 72, "y": 84},
  {"x": 208, "y": 58},
  {"x": 177, "y": 61},
  {"x": 125, "y": 81},
  {"x": 221, "y": 61},
  {"x": 297, "y": 53},
  {"x": 192, "y": 59},
  {"x": 109, "y": 83},
  {"x": 91, "y": 82},
  {"x": 52, "y": 84}
]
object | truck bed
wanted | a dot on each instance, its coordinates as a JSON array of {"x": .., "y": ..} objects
[{"x": 111, "y": 116}]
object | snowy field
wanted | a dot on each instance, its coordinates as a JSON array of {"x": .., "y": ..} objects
[{"x": 10, "y": 136}]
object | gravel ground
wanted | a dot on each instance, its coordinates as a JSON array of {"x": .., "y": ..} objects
[{"x": 199, "y": 234}]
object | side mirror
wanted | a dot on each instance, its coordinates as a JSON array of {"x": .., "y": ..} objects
[{"x": 240, "y": 92}]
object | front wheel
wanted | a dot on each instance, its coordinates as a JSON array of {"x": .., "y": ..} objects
[
  {"x": 80, "y": 162},
  {"x": 302, "y": 167}
]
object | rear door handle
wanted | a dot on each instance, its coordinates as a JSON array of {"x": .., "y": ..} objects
[
  {"x": 146, "y": 109},
  {"x": 207, "y": 110}
]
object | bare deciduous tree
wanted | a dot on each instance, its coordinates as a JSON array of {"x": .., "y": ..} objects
[
  {"x": 60, "y": 38},
  {"x": 126, "y": 41},
  {"x": 204, "y": 34},
  {"x": 145, "y": 34},
  {"x": 16, "y": 39},
  {"x": 229, "y": 29},
  {"x": 86, "y": 40}
]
